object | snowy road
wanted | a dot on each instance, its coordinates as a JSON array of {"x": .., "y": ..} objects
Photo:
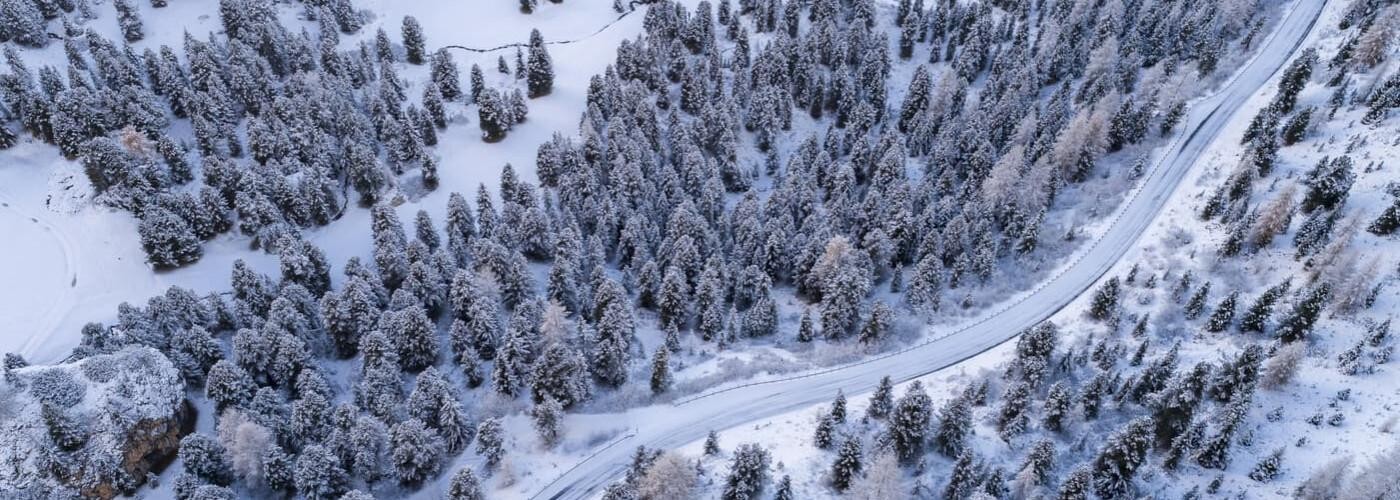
[{"x": 668, "y": 427}]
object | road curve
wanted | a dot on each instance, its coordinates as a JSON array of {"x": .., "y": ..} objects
[{"x": 672, "y": 426}]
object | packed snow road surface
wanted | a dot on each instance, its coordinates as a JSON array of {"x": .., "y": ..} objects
[{"x": 672, "y": 426}]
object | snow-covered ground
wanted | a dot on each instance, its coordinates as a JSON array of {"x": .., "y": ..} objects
[
  {"x": 1175, "y": 243},
  {"x": 78, "y": 261}
]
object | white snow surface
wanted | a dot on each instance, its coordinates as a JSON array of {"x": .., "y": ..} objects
[
  {"x": 120, "y": 390},
  {"x": 672, "y": 426},
  {"x": 70, "y": 261}
]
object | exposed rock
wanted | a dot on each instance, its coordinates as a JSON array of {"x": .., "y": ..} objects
[{"x": 93, "y": 427}]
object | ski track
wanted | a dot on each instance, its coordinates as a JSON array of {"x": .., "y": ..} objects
[
  {"x": 53, "y": 315},
  {"x": 688, "y": 420}
]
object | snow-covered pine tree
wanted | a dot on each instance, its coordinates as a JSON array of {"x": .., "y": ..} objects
[
  {"x": 1224, "y": 313},
  {"x": 1120, "y": 458},
  {"x": 205, "y": 458},
  {"x": 1304, "y": 315},
  {"x": 848, "y": 464},
  {"x": 1197, "y": 303},
  {"x": 168, "y": 239},
  {"x": 1268, "y": 468},
  {"x": 748, "y": 473},
  {"x": 540, "y": 79},
  {"x": 228, "y": 385},
  {"x": 318, "y": 474},
  {"x": 615, "y": 328},
  {"x": 909, "y": 422},
  {"x": 547, "y": 416},
  {"x": 661, "y": 370},
  {"x": 1105, "y": 301},
  {"x": 712, "y": 443},
  {"x": 878, "y": 325},
  {"x": 465, "y": 486},
  {"x": 1328, "y": 184},
  {"x": 490, "y": 442},
  {"x": 1388, "y": 221},
  {"x": 1057, "y": 407},
  {"x": 954, "y": 425},
  {"x": 963, "y": 478},
  {"x": 1257, "y": 315},
  {"x": 882, "y": 400},
  {"x": 805, "y": 330},
  {"x": 129, "y": 20},
  {"x": 416, "y": 451},
  {"x": 413, "y": 42},
  {"x": 494, "y": 115},
  {"x": 445, "y": 75},
  {"x": 1077, "y": 485},
  {"x": 560, "y": 374}
]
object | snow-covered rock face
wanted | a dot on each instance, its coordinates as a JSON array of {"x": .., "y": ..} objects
[{"x": 94, "y": 427}]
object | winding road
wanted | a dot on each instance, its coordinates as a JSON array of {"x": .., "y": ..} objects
[{"x": 672, "y": 426}]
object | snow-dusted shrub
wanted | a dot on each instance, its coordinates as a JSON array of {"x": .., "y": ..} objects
[
  {"x": 101, "y": 369},
  {"x": 57, "y": 386},
  {"x": 1376, "y": 479},
  {"x": 1281, "y": 368},
  {"x": 670, "y": 476}
]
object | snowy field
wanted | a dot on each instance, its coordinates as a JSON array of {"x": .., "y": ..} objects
[
  {"x": 1363, "y": 405},
  {"x": 79, "y": 260}
]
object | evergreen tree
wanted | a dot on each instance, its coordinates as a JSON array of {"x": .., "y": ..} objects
[
  {"x": 615, "y": 329},
  {"x": 1105, "y": 302},
  {"x": 1224, "y": 313},
  {"x": 1268, "y": 468},
  {"x": 954, "y": 425},
  {"x": 1258, "y": 313},
  {"x": 1388, "y": 221},
  {"x": 318, "y": 474},
  {"x": 1197, "y": 302},
  {"x": 805, "y": 330},
  {"x": 68, "y": 433},
  {"x": 228, "y": 385},
  {"x": 494, "y": 115},
  {"x": 168, "y": 239},
  {"x": 963, "y": 478},
  {"x": 1304, "y": 315},
  {"x": 490, "y": 442},
  {"x": 548, "y": 416},
  {"x": 1077, "y": 485},
  {"x": 541, "y": 68},
  {"x": 413, "y": 40},
  {"x": 560, "y": 374},
  {"x": 1057, "y": 407},
  {"x": 909, "y": 422},
  {"x": 882, "y": 401},
  {"x": 416, "y": 451},
  {"x": 446, "y": 77},
  {"x": 1328, "y": 184},
  {"x": 877, "y": 326},
  {"x": 661, "y": 370},
  {"x": 848, "y": 464},
  {"x": 825, "y": 432},
  {"x": 1120, "y": 458},
  {"x": 465, "y": 486},
  {"x": 129, "y": 20},
  {"x": 748, "y": 473},
  {"x": 206, "y": 458},
  {"x": 712, "y": 443},
  {"x": 784, "y": 489}
]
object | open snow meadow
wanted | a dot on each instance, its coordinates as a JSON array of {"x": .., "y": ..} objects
[{"x": 699, "y": 249}]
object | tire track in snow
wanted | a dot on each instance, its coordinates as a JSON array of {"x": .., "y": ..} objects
[
  {"x": 54, "y": 314},
  {"x": 631, "y": 8}
]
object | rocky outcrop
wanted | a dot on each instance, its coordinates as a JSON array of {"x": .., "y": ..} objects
[{"x": 93, "y": 428}]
